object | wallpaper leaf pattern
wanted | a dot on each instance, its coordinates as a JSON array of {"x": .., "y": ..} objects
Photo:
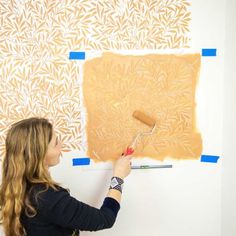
[{"x": 36, "y": 78}]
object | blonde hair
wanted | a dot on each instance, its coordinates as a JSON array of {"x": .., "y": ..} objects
[{"x": 23, "y": 166}]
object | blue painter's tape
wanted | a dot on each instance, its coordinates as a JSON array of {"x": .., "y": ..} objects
[
  {"x": 81, "y": 161},
  {"x": 209, "y": 52},
  {"x": 77, "y": 56},
  {"x": 208, "y": 158}
]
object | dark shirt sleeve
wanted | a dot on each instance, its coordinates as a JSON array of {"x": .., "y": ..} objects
[{"x": 58, "y": 207}]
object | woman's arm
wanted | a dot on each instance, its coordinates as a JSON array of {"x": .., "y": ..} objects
[
  {"x": 122, "y": 169},
  {"x": 58, "y": 207}
]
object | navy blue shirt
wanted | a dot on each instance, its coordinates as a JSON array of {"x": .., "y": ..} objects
[{"x": 60, "y": 214}]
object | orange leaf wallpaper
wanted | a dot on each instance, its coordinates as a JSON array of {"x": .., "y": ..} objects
[{"x": 36, "y": 76}]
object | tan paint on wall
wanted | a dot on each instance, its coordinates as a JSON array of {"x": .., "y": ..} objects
[{"x": 162, "y": 86}]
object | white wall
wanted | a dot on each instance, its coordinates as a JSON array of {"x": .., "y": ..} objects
[
  {"x": 185, "y": 200},
  {"x": 229, "y": 137}
]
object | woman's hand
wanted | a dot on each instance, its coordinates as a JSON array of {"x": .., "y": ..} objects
[{"x": 122, "y": 167}]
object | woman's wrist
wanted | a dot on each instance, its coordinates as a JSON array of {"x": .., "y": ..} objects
[{"x": 117, "y": 174}]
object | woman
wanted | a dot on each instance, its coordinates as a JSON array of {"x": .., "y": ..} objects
[{"x": 32, "y": 203}]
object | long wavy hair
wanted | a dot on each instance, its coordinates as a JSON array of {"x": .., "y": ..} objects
[{"x": 23, "y": 166}]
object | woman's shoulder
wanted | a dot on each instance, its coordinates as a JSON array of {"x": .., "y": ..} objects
[
  {"x": 44, "y": 193},
  {"x": 47, "y": 199},
  {"x": 44, "y": 187}
]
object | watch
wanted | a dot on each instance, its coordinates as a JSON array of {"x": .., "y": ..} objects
[{"x": 117, "y": 183}]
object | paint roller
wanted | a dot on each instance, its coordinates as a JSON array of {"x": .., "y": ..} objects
[{"x": 146, "y": 120}]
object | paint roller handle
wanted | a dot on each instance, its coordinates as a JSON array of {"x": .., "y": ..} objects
[{"x": 128, "y": 151}]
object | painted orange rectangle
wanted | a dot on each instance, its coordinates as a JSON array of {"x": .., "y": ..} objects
[{"x": 161, "y": 86}]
